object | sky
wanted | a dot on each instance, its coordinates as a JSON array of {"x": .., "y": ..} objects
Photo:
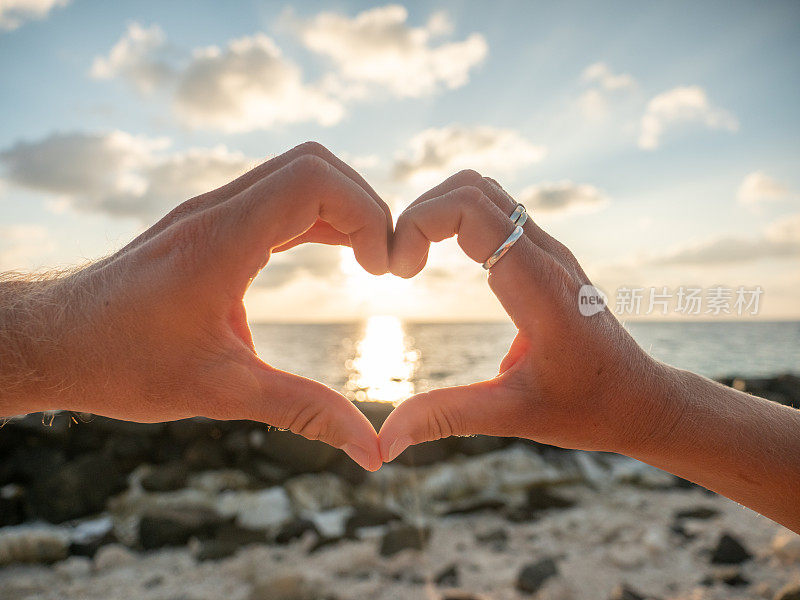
[{"x": 659, "y": 141}]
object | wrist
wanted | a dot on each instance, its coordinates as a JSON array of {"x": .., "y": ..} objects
[{"x": 652, "y": 409}]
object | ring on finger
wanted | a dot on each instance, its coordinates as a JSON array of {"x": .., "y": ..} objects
[
  {"x": 519, "y": 216},
  {"x": 504, "y": 247}
]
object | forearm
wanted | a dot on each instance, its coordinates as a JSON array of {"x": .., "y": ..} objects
[
  {"x": 741, "y": 446},
  {"x": 34, "y": 348}
]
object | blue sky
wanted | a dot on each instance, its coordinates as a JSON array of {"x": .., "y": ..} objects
[{"x": 659, "y": 141}]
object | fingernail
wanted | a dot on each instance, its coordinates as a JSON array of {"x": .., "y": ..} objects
[
  {"x": 397, "y": 447},
  {"x": 359, "y": 454}
]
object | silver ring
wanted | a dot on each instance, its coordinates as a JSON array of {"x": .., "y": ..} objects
[
  {"x": 519, "y": 216},
  {"x": 504, "y": 247}
]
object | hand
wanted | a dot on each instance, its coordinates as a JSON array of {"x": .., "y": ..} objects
[
  {"x": 566, "y": 378},
  {"x": 158, "y": 331}
]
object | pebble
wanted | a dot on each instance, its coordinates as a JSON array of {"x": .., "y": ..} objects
[
  {"x": 624, "y": 592},
  {"x": 113, "y": 556},
  {"x": 729, "y": 551},
  {"x": 789, "y": 592},
  {"x": 403, "y": 537},
  {"x": 285, "y": 587},
  {"x": 257, "y": 509},
  {"x": 534, "y": 575},
  {"x": 786, "y": 546}
]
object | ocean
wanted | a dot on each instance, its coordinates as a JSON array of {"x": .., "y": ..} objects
[{"x": 385, "y": 359}]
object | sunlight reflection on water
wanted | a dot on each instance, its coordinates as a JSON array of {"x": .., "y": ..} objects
[{"x": 384, "y": 364}]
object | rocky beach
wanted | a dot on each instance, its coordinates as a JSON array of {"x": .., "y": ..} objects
[{"x": 92, "y": 508}]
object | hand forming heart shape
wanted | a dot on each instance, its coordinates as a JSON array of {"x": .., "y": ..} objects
[{"x": 185, "y": 349}]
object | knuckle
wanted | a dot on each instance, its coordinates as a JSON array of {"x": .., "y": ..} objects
[
  {"x": 310, "y": 422},
  {"x": 468, "y": 177},
  {"x": 311, "y": 147},
  {"x": 442, "y": 422},
  {"x": 309, "y": 168},
  {"x": 473, "y": 198}
]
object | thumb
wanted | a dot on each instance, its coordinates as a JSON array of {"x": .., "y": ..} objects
[
  {"x": 316, "y": 412},
  {"x": 478, "y": 408}
]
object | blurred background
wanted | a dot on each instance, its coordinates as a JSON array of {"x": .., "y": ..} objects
[{"x": 659, "y": 141}]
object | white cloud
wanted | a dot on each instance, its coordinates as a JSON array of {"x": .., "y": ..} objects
[
  {"x": 249, "y": 85},
  {"x": 758, "y": 187},
  {"x": 781, "y": 239},
  {"x": 23, "y": 245},
  {"x": 378, "y": 47},
  {"x": 14, "y": 13},
  {"x": 118, "y": 174},
  {"x": 600, "y": 74},
  {"x": 681, "y": 105},
  {"x": 139, "y": 56},
  {"x": 602, "y": 83},
  {"x": 435, "y": 153},
  {"x": 562, "y": 197}
]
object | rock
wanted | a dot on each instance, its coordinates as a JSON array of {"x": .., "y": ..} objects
[
  {"x": 165, "y": 478},
  {"x": 286, "y": 587},
  {"x": 228, "y": 539},
  {"x": 369, "y": 515},
  {"x": 479, "y": 444},
  {"x": 427, "y": 453},
  {"x": 88, "y": 536},
  {"x": 33, "y": 544},
  {"x": 175, "y": 526},
  {"x": 323, "y": 541},
  {"x": 331, "y": 523},
  {"x": 447, "y": 577},
  {"x": 79, "y": 488},
  {"x": 214, "y": 482},
  {"x": 260, "y": 509},
  {"x": 624, "y": 592},
  {"x": 731, "y": 576},
  {"x": 789, "y": 592},
  {"x": 295, "y": 453},
  {"x": 786, "y": 546},
  {"x": 473, "y": 505},
  {"x": 729, "y": 551},
  {"x": 540, "y": 498},
  {"x": 497, "y": 539},
  {"x": 534, "y": 575},
  {"x": 316, "y": 492},
  {"x": 696, "y": 512},
  {"x": 74, "y": 567},
  {"x": 293, "y": 530},
  {"x": 112, "y": 557},
  {"x": 269, "y": 473},
  {"x": 12, "y": 504},
  {"x": 461, "y": 595},
  {"x": 402, "y": 537}
]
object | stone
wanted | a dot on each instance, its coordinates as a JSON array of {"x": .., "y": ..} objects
[
  {"x": 403, "y": 537},
  {"x": 331, "y": 523},
  {"x": 369, "y": 515},
  {"x": 294, "y": 529},
  {"x": 697, "y": 512},
  {"x": 160, "y": 527},
  {"x": 74, "y": 567},
  {"x": 461, "y": 595},
  {"x": 729, "y": 551},
  {"x": 788, "y": 592},
  {"x": 87, "y": 537},
  {"x": 427, "y": 453},
  {"x": 534, "y": 575},
  {"x": 541, "y": 498},
  {"x": 497, "y": 539},
  {"x": 448, "y": 577},
  {"x": 113, "y": 556},
  {"x": 258, "y": 509},
  {"x": 228, "y": 539},
  {"x": 165, "y": 478},
  {"x": 316, "y": 492},
  {"x": 786, "y": 546},
  {"x": 473, "y": 505},
  {"x": 33, "y": 544},
  {"x": 77, "y": 489},
  {"x": 12, "y": 504},
  {"x": 294, "y": 452},
  {"x": 286, "y": 587},
  {"x": 625, "y": 592}
]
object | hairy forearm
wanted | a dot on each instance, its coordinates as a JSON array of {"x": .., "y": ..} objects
[
  {"x": 35, "y": 329},
  {"x": 741, "y": 446}
]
